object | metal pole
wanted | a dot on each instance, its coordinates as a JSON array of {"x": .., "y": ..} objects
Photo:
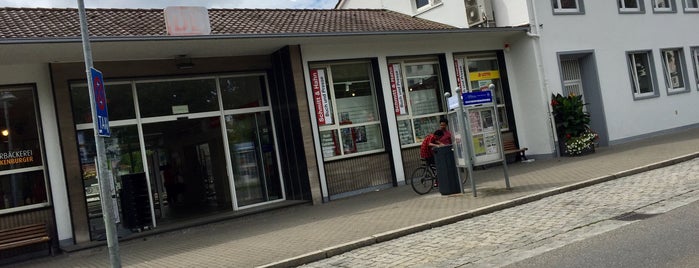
[
  {"x": 466, "y": 136},
  {"x": 102, "y": 173}
]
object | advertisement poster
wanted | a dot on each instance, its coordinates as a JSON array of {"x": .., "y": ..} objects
[
  {"x": 394, "y": 72},
  {"x": 474, "y": 119},
  {"x": 491, "y": 143},
  {"x": 320, "y": 97},
  {"x": 487, "y": 120},
  {"x": 478, "y": 145}
]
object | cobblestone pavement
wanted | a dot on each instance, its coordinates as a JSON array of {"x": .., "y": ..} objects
[{"x": 507, "y": 236}]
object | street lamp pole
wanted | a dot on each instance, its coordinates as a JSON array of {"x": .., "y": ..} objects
[{"x": 102, "y": 173}]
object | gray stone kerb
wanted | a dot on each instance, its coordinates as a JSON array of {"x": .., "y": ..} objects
[{"x": 393, "y": 234}]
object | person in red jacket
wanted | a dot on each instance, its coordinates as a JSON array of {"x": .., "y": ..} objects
[{"x": 428, "y": 145}]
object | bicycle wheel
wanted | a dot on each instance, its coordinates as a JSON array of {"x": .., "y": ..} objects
[{"x": 421, "y": 180}]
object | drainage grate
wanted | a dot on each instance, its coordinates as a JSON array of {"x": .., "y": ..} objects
[{"x": 633, "y": 216}]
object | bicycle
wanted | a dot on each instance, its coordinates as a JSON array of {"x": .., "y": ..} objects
[{"x": 423, "y": 179}]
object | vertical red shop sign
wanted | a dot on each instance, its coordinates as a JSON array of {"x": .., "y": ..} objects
[
  {"x": 460, "y": 75},
  {"x": 394, "y": 73},
  {"x": 320, "y": 97}
]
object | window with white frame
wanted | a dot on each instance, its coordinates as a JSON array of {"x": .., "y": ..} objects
[
  {"x": 22, "y": 169},
  {"x": 425, "y": 4},
  {"x": 662, "y": 6},
  {"x": 417, "y": 97},
  {"x": 690, "y": 5},
  {"x": 631, "y": 6},
  {"x": 673, "y": 67},
  {"x": 642, "y": 73},
  {"x": 568, "y": 7},
  {"x": 346, "y": 109},
  {"x": 695, "y": 59}
]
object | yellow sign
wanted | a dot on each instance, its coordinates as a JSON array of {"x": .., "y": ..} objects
[{"x": 476, "y": 76}]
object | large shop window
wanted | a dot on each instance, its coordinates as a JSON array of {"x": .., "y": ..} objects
[
  {"x": 22, "y": 173},
  {"x": 478, "y": 73},
  {"x": 347, "y": 112},
  {"x": 170, "y": 132},
  {"x": 417, "y": 98},
  {"x": 642, "y": 72}
]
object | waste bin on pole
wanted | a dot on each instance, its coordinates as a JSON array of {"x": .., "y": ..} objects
[{"x": 446, "y": 170}]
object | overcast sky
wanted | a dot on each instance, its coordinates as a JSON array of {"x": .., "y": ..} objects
[{"x": 164, "y": 3}]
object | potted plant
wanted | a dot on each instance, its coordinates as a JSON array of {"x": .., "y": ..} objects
[{"x": 572, "y": 124}]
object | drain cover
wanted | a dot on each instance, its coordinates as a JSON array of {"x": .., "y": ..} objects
[{"x": 633, "y": 216}]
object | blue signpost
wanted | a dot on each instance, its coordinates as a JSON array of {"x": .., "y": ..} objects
[
  {"x": 477, "y": 97},
  {"x": 100, "y": 104}
]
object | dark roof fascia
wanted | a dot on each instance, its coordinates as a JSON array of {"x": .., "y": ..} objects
[{"x": 260, "y": 36}]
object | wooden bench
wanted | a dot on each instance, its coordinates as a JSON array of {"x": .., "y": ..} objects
[
  {"x": 509, "y": 147},
  {"x": 24, "y": 236}
]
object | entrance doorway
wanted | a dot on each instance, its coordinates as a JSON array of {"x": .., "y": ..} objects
[
  {"x": 187, "y": 167},
  {"x": 254, "y": 158},
  {"x": 578, "y": 72}
]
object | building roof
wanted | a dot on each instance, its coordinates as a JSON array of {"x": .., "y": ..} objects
[{"x": 50, "y": 23}]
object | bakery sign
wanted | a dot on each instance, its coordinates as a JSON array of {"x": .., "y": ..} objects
[{"x": 16, "y": 157}]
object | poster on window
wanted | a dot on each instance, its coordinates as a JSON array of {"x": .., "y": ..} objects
[
  {"x": 320, "y": 97},
  {"x": 491, "y": 143},
  {"x": 460, "y": 75},
  {"x": 394, "y": 73},
  {"x": 474, "y": 119},
  {"x": 478, "y": 145},
  {"x": 671, "y": 58}
]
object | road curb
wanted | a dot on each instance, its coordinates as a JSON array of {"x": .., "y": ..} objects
[{"x": 389, "y": 235}]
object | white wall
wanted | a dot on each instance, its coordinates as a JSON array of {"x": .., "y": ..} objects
[
  {"x": 450, "y": 12},
  {"x": 611, "y": 35},
  {"x": 529, "y": 100},
  {"x": 510, "y": 12},
  {"x": 39, "y": 74}
]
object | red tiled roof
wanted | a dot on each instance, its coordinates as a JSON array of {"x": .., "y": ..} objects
[{"x": 43, "y": 23}]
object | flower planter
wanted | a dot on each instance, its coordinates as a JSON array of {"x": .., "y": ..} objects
[{"x": 585, "y": 151}]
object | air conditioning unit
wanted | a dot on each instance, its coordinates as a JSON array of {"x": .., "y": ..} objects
[{"x": 479, "y": 12}]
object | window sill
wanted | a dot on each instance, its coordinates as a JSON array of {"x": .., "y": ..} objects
[
  {"x": 631, "y": 11},
  {"x": 677, "y": 91},
  {"x": 691, "y": 10},
  {"x": 664, "y": 11},
  {"x": 568, "y": 12},
  {"x": 637, "y": 97}
]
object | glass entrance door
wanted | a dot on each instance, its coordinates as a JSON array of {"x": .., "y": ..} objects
[
  {"x": 255, "y": 173},
  {"x": 187, "y": 167}
]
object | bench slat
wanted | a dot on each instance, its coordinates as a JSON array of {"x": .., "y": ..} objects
[{"x": 24, "y": 236}]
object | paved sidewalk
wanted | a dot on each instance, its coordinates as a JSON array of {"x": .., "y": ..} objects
[{"x": 300, "y": 234}]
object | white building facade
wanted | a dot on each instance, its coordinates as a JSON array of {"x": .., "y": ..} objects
[{"x": 634, "y": 62}]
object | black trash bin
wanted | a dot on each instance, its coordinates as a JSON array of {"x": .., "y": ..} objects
[{"x": 446, "y": 170}]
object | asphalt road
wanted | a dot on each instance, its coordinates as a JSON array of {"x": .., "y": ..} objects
[{"x": 664, "y": 240}]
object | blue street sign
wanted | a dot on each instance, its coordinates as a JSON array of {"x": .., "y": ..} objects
[
  {"x": 477, "y": 97},
  {"x": 100, "y": 104}
]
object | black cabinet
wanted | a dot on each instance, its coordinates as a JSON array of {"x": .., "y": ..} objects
[{"x": 135, "y": 206}]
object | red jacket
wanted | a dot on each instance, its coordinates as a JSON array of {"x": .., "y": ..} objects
[{"x": 425, "y": 149}]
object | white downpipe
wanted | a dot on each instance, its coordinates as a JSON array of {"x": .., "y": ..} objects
[{"x": 535, "y": 34}]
